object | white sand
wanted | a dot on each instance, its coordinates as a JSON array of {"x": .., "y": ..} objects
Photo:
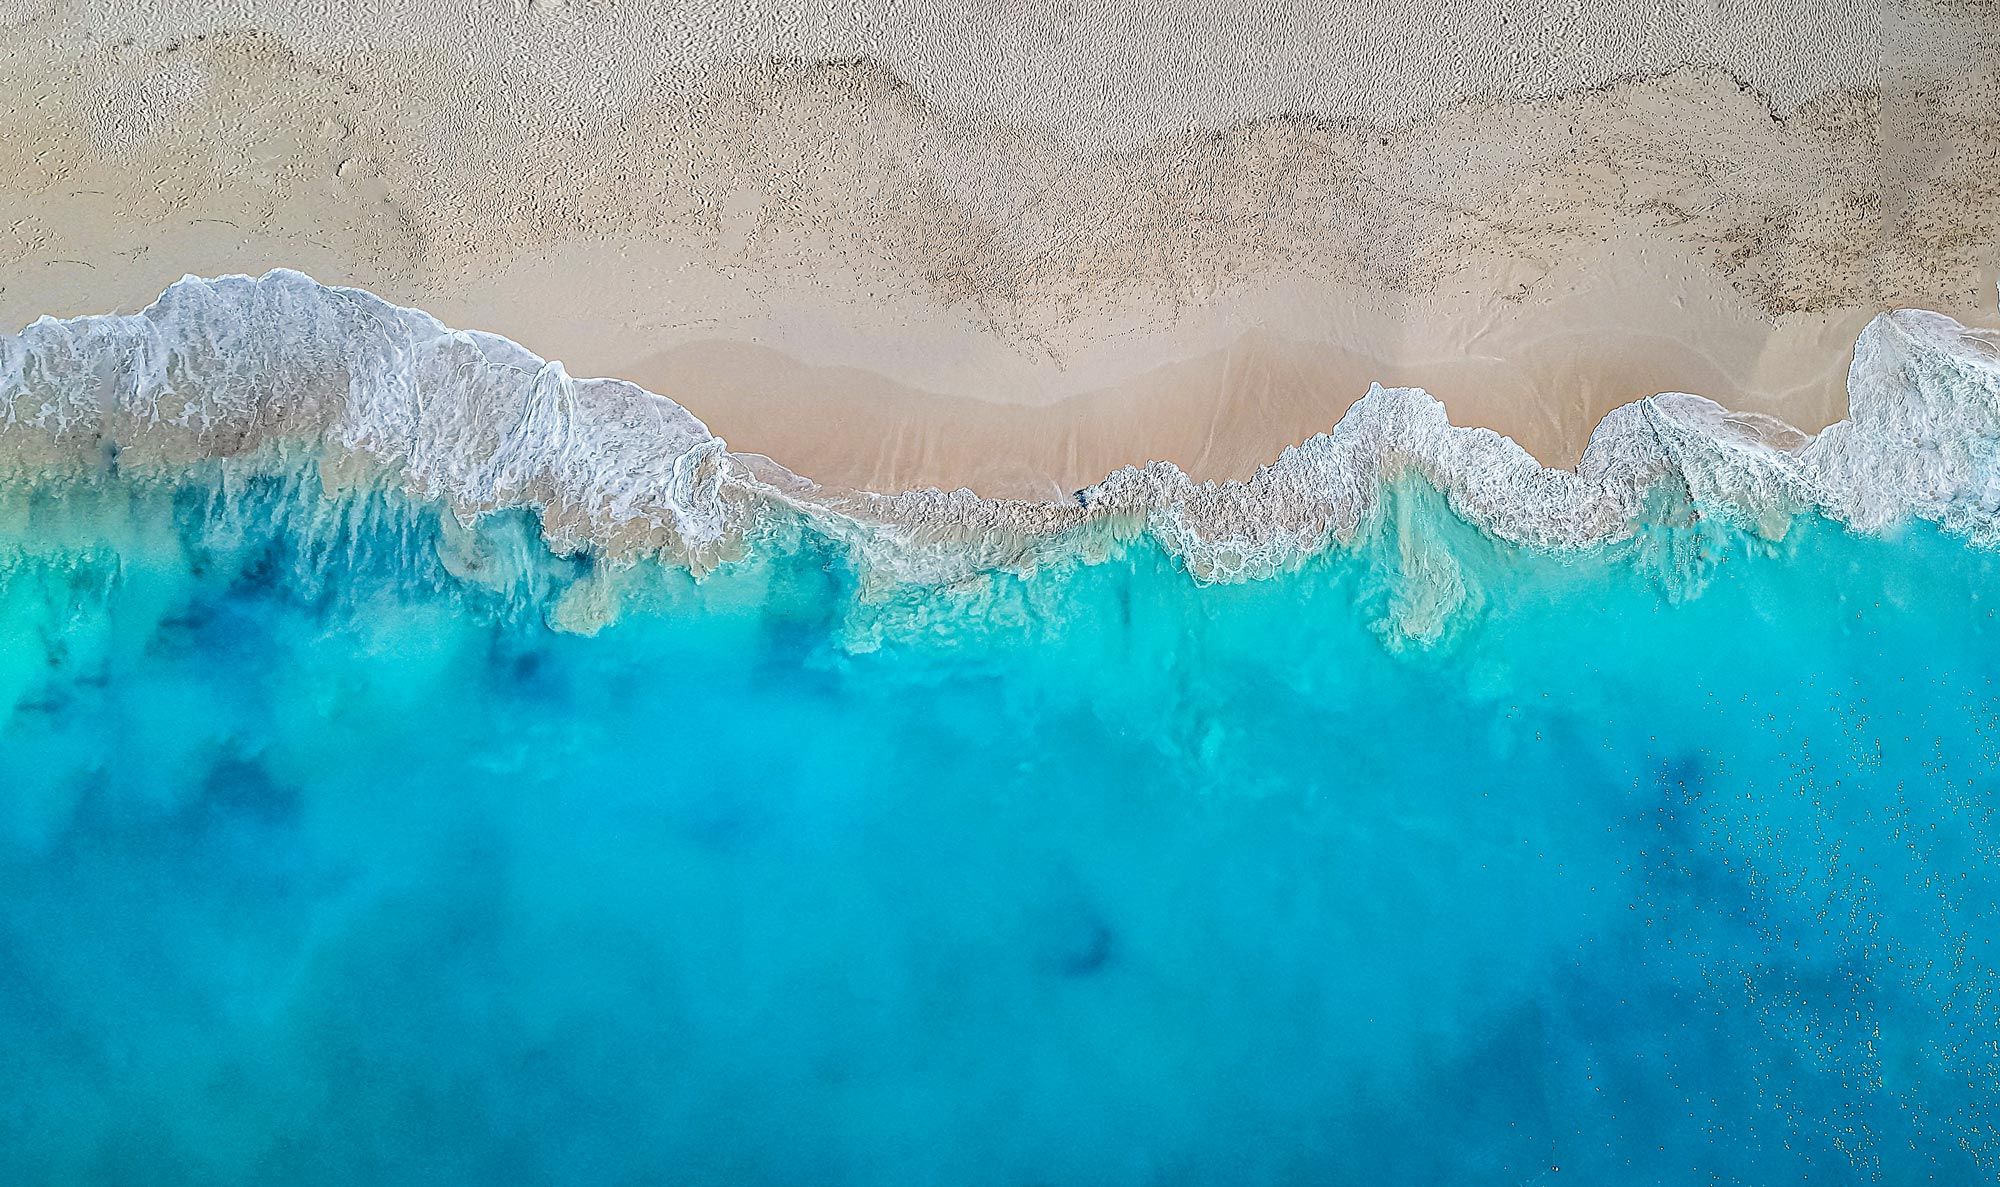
[{"x": 1014, "y": 249}]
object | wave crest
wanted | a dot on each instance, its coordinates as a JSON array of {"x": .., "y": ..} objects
[{"x": 231, "y": 366}]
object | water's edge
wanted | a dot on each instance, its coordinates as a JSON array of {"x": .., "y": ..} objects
[{"x": 238, "y": 367}]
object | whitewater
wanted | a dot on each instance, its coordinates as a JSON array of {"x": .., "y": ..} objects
[{"x": 418, "y": 765}]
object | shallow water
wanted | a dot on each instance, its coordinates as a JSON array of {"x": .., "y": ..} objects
[{"x": 324, "y": 858}]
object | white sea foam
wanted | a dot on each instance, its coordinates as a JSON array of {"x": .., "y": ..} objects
[{"x": 232, "y": 366}]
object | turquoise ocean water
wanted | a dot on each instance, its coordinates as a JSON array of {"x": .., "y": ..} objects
[{"x": 324, "y": 858}]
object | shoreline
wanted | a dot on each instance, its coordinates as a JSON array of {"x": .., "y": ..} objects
[
  {"x": 1216, "y": 390},
  {"x": 229, "y": 367}
]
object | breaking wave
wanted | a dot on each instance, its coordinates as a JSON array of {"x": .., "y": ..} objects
[{"x": 239, "y": 367}]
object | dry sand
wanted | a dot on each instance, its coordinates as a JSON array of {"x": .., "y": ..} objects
[{"x": 1016, "y": 247}]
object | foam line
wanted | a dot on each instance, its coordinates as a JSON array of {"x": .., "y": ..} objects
[{"x": 235, "y": 365}]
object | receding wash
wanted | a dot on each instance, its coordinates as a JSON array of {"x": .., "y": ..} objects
[{"x": 418, "y": 766}]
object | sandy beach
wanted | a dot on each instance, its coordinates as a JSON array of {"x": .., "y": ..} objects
[{"x": 981, "y": 248}]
